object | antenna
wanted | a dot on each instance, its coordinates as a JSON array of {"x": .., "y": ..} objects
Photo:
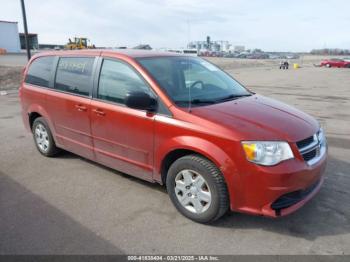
[{"x": 188, "y": 63}]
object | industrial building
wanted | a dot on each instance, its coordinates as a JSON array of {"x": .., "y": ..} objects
[
  {"x": 9, "y": 37},
  {"x": 208, "y": 45},
  {"x": 215, "y": 46},
  {"x": 239, "y": 48},
  {"x": 33, "y": 41}
]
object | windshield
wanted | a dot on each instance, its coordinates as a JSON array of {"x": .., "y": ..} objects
[{"x": 192, "y": 79}]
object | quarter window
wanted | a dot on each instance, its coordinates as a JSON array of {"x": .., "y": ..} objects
[
  {"x": 74, "y": 75},
  {"x": 116, "y": 80},
  {"x": 40, "y": 70}
]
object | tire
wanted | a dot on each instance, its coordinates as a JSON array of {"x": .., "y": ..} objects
[
  {"x": 328, "y": 65},
  {"x": 43, "y": 139},
  {"x": 193, "y": 192}
]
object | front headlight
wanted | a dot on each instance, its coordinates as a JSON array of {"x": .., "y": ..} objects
[{"x": 267, "y": 153}]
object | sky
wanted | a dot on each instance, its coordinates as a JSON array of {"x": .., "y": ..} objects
[{"x": 271, "y": 25}]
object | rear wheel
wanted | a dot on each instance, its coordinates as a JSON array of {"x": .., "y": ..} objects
[
  {"x": 43, "y": 138},
  {"x": 328, "y": 65},
  {"x": 197, "y": 188}
]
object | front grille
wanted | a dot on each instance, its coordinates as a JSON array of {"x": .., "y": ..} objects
[
  {"x": 305, "y": 142},
  {"x": 292, "y": 198},
  {"x": 309, "y": 148},
  {"x": 310, "y": 155}
]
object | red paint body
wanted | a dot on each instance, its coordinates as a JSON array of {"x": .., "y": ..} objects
[
  {"x": 136, "y": 142},
  {"x": 335, "y": 62}
]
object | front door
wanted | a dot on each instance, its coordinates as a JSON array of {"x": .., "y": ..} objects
[{"x": 123, "y": 137}]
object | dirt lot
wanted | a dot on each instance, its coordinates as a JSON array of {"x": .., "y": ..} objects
[
  {"x": 10, "y": 77},
  {"x": 69, "y": 205}
]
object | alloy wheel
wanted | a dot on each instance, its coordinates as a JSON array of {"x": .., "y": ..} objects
[
  {"x": 192, "y": 191},
  {"x": 42, "y": 137}
]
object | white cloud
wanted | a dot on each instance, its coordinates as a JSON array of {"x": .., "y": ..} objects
[{"x": 268, "y": 24}]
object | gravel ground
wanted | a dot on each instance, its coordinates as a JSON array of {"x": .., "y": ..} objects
[{"x": 10, "y": 77}]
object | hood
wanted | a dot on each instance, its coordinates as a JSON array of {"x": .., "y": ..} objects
[{"x": 260, "y": 118}]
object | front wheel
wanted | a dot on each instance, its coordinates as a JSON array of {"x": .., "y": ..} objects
[
  {"x": 328, "y": 65},
  {"x": 197, "y": 189}
]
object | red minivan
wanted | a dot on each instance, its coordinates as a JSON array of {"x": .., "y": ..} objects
[{"x": 176, "y": 120}]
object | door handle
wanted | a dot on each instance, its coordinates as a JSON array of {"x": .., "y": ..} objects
[
  {"x": 99, "y": 112},
  {"x": 81, "y": 108}
]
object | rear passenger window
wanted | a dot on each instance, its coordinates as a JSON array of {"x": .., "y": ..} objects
[
  {"x": 116, "y": 80},
  {"x": 74, "y": 75},
  {"x": 40, "y": 70}
]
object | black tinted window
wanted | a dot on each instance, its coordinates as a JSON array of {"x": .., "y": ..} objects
[
  {"x": 116, "y": 80},
  {"x": 40, "y": 70},
  {"x": 74, "y": 75}
]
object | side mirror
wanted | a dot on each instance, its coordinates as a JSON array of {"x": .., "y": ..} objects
[{"x": 141, "y": 100}]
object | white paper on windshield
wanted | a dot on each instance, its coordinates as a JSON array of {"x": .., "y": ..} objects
[{"x": 209, "y": 66}]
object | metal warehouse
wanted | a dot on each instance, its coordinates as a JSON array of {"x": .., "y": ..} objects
[{"x": 9, "y": 37}]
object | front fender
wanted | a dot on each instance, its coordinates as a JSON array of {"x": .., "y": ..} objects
[{"x": 205, "y": 148}]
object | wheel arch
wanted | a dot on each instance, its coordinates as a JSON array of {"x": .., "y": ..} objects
[
  {"x": 35, "y": 111},
  {"x": 32, "y": 116},
  {"x": 171, "y": 157},
  {"x": 178, "y": 147}
]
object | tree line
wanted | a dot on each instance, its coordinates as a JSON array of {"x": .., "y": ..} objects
[{"x": 330, "y": 51}]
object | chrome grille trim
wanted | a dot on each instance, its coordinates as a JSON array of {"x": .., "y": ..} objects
[
  {"x": 310, "y": 146},
  {"x": 320, "y": 148},
  {"x": 319, "y": 155}
]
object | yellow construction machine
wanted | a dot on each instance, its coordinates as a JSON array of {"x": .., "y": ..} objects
[{"x": 78, "y": 43}]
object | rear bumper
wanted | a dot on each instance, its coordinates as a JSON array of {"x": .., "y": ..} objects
[{"x": 280, "y": 190}]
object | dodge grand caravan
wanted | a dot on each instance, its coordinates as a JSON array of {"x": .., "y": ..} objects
[{"x": 179, "y": 121}]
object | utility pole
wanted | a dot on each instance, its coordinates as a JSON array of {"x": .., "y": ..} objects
[{"x": 25, "y": 29}]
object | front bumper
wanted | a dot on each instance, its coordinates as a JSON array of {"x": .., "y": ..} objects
[
  {"x": 278, "y": 190},
  {"x": 292, "y": 201}
]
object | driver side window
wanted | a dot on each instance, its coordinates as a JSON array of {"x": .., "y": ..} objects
[{"x": 116, "y": 80}]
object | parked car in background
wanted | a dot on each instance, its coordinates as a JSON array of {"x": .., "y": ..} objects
[
  {"x": 335, "y": 62},
  {"x": 221, "y": 147},
  {"x": 347, "y": 59},
  {"x": 273, "y": 56},
  {"x": 258, "y": 56},
  {"x": 292, "y": 56},
  {"x": 242, "y": 55}
]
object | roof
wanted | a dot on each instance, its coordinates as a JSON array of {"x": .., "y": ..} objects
[
  {"x": 11, "y": 22},
  {"x": 133, "y": 53},
  {"x": 139, "y": 52},
  {"x": 29, "y": 34}
]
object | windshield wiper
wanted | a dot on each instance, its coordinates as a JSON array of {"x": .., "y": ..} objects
[
  {"x": 197, "y": 101},
  {"x": 231, "y": 97}
]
